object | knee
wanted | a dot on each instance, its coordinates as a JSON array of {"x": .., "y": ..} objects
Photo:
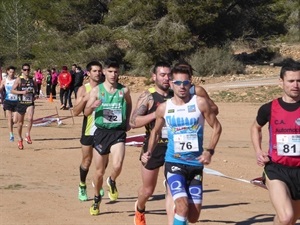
[
  {"x": 181, "y": 208},
  {"x": 117, "y": 166},
  {"x": 147, "y": 191},
  {"x": 285, "y": 219},
  {"x": 86, "y": 162}
]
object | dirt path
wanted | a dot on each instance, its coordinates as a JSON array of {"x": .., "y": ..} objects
[{"x": 39, "y": 184}]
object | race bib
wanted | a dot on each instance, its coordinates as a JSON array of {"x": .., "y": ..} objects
[
  {"x": 112, "y": 116},
  {"x": 12, "y": 97},
  {"x": 288, "y": 144},
  {"x": 164, "y": 132},
  {"x": 186, "y": 143}
]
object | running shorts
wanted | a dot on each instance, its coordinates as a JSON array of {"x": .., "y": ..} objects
[
  {"x": 104, "y": 139},
  {"x": 21, "y": 108},
  {"x": 289, "y": 175},
  {"x": 157, "y": 158},
  {"x": 87, "y": 140},
  {"x": 10, "y": 105},
  {"x": 185, "y": 181}
]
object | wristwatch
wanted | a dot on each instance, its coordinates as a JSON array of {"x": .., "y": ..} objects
[{"x": 211, "y": 151}]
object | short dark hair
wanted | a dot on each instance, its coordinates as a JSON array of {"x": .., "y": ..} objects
[
  {"x": 185, "y": 64},
  {"x": 11, "y": 68},
  {"x": 160, "y": 64},
  {"x": 111, "y": 62},
  {"x": 181, "y": 69},
  {"x": 289, "y": 64},
  {"x": 93, "y": 63},
  {"x": 26, "y": 64}
]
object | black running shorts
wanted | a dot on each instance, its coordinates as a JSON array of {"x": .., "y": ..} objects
[
  {"x": 104, "y": 139},
  {"x": 10, "y": 105},
  {"x": 21, "y": 108},
  {"x": 87, "y": 140},
  {"x": 157, "y": 158},
  {"x": 289, "y": 175}
]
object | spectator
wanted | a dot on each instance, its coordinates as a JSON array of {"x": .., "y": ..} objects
[{"x": 64, "y": 80}]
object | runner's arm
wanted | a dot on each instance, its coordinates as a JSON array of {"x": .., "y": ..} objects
[
  {"x": 200, "y": 91},
  {"x": 139, "y": 116},
  {"x": 15, "y": 86},
  {"x": 93, "y": 102},
  {"x": 128, "y": 108},
  {"x": 156, "y": 132},
  {"x": 256, "y": 137},
  {"x": 81, "y": 100}
]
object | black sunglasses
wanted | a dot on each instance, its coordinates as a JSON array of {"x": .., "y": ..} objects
[{"x": 26, "y": 69}]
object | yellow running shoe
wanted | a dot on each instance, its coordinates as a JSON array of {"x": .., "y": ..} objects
[
  {"x": 112, "y": 192},
  {"x": 95, "y": 209}
]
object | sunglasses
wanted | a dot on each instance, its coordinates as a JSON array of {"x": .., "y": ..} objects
[
  {"x": 179, "y": 82},
  {"x": 26, "y": 69}
]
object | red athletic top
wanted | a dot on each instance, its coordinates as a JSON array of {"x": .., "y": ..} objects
[{"x": 284, "y": 135}]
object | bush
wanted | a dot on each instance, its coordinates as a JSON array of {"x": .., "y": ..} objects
[{"x": 215, "y": 61}]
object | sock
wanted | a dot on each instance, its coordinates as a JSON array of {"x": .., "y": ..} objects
[
  {"x": 11, "y": 134},
  {"x": 97, "y": 198},
  {"x": 179, "y": 220},
  {"x": 83, "y": 174}
]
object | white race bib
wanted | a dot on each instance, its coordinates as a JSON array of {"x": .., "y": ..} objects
[
  {"x": 186, "y": 143},
  {"x": 288, "y": 144}
]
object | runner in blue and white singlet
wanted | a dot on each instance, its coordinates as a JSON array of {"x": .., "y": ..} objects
[{"x": 185, "y": 125}]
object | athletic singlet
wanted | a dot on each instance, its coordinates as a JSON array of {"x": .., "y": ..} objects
[
  {"x": 28, "y": 85},
  {"x": 8, "y": 87},
  {"x": 88, "y": 125},
  {"x": 185, "y": 125},
  {"x": 111, "y": 114},
  {"x": 157, "y": 100},
  {"x": 284, "y": 135}
]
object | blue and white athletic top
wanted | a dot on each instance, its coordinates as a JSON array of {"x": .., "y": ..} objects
[
  {"x": 185, "y": 126},
  {"x": 8, "y": 87}
]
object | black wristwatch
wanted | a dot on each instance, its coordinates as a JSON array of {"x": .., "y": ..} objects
[{"x": 211, "y": 151}]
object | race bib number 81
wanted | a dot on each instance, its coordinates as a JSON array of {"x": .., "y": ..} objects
[{"x": 288, "y": 144}]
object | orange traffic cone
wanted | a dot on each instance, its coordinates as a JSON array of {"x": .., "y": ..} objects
[{"x": 51, "y": 98}]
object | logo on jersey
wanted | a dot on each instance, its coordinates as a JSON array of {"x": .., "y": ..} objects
[
  {"x": 175, "y": 168},
  {"x": 191, "y": 108},
  {"x": 298, "y": 121}
]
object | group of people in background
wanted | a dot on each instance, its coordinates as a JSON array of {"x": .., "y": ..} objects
[{"x": 19, "y": 91}]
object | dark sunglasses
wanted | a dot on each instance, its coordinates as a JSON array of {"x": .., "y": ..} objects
[
  {"x": 179, "y": 82},
  {"x": 26, "y": 69}
]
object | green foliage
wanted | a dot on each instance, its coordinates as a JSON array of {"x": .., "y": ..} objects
[
  {"x": 139, "y": 33},
  {"x": 17, "y": 30},
  {"x": 215, "y": 61}
]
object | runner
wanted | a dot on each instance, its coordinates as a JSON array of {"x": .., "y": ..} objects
[
  {"x": 282, "y": 162},
  {"x": 111, "y": 102},
  {"x": 10, "y": 100},
  {"x": 184, "y": 116},
  {"x": 94, "y": 72},
  {"x": 26, "y": 89}
]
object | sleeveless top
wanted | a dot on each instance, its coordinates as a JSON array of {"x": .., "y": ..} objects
[
  {"x": 8, "y": 87},
  {"x": 111, "y": 114},
  {"x": 157, "y": 99},
  {"x": 185, "y": 126},
  {"x": 28, "y": 85},
  {"x": 88, "y": 125},
  {"x": 284, "y": 129}
]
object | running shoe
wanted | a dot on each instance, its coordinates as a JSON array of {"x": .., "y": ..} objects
[
  {"x": 62, "y": 106},
  {"x": 82, "y": 193},
  {"x": 28, "y": 139},
  {"x": 94, "y": 210},
  {"x": 139, "y": 218},
  {"x": 101, "y": 192},
  {"x": 20, "y": 145},
  {"x": 112, "y": 192},
  {"x": 12, "y": 138}
]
